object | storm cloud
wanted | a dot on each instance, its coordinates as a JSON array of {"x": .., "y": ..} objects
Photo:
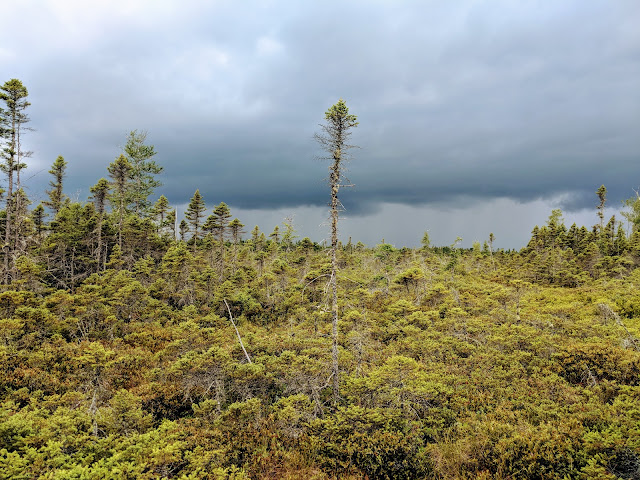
[{"x": 460, "y": 103}]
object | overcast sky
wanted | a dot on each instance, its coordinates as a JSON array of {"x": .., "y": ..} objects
[{"x": 475, "y": 116}]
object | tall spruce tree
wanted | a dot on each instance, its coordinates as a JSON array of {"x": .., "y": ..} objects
[
  {"x": 334, "y": 140},
  {"x": 221, "y": 216},
  {"x": 195, "y": 214},
  {"x": 602, "y": 196},
  {"x": 236, "y": 229},
  {"x": 37, "y": 217},
  {"x": 119, "y": 171},
  {"x": 160, "y": 212},
  {"x": 183, "y": 228},
  {"x": 142, "y": 174},
  {"x": 100, "y": 193},
  {"x": 12, "y": 118},
  {"x": 55, "y": 194}
]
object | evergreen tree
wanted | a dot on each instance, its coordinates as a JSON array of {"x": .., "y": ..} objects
[
  {"x": 333, "y": 139},
  {"x": 221, "y": 216},
  {"x": 194, "y": 214},
  {"x": 585, "y": 237},
  {"x": 142, "y": 173},
  {"x": 425, "y": 242},
  {"x": 607, "y": 237},
  {"x": 171, "y": 223},
  {"x": 289, "y": 235},
  {"x": 70, "y": 258},
  {"x": 100, "y": 192},
  {"x": 235, "y": 227},
  {"x": 492, "y": 239},
  {"x": 21, "y": 222},
  {"x": 184, "y": 228},
  {"x": 621, "y": 244},
  {"x": 37, "y": 217},
  {"x": 160, "y": 212},
  {"x": 255, "y": 234},
  {"x": 572, "y": 237},
  {"x": 602, "y": 196},
  {"x": 13, "y": 93},
  {"x": 55, "y": 194},
  {"x": 119, "y": 171},
  {"x": 209, "y": 225},
  {"x": 534, "y": 242},
  {"x": 275, "y": 235}
]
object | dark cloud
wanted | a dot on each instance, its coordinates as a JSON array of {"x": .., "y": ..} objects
[{"x": 457, "y": 100}]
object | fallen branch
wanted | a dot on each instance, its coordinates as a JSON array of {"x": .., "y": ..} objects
[{"x": 237, "y": 332}]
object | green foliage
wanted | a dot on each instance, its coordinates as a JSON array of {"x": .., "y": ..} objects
[
  {"x": 118, "y": 358},
  {"x": 195, "y": 213},
  {"x": 378, "y": 443},
  {"x": 138, "y": 373}
]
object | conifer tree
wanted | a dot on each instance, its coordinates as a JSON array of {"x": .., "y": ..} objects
[
  {"x": 13, "y": 93},
  {"x": 235, "y": 227},
  {"x": 37, "y": 217},
  {"x": 572, "y": 237},
  {"x": 426, "y": 242},
  {"x": 333, "y": 139},
  {"x": 221, "y": 216},
  {"x": 492, "y": 239},
  {"x": 119, "y": 171},
  {"x": 209, "y": 224},
  {"x": 275, "y": 235},
  {"x": 607, "y": 237},
  {"x": 142, "y": 174},
  {"x": 621, "y": 244},
  {"x": 55, "y": 194},
  {"x": 255, "y": 233},
  {"x": 289, "y": 232},
  {"x": 20, "y": 221},
  {"x": 160, "y": 212},
  {"x": 195, "y": 214},
  {"x": 100, "y": 192},
  {"x": 602, "y": 196},
  {"x": 171, "y": 222},
  {"x": 183, "y": 228}
]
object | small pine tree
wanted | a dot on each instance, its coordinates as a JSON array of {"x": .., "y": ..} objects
[
  {"x": 37, "y": 217},
  {"x": 55, "y": 194},
  {"x": 100, "y": 193},
  {"x": 195, "y": 214},
  {"x": 275, "y": 235},
  {"x": 602, "y": 196},
  {"x": 142, "y": 179},
  {"x": 236, "y": 230},
  {"x": 119, "y": 171},
  {"x": 183, "y": 228},
  {"x": 160, "y": 212}
]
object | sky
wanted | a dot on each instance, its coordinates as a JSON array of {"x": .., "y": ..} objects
[{"x": 474, "y": 116}]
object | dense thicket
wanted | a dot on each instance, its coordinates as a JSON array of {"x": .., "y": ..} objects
[{"x": 119, "y": 359}]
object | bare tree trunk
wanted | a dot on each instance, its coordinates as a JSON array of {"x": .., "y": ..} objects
[
  {"x": 9, "y": 208},
  {"x": 120, "y": 224},
  {"x": 334, "y": 179},
  {"x": 99, "y": 249}
]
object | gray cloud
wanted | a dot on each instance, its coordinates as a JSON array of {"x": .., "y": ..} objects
[{"x": 457, "y": 100}]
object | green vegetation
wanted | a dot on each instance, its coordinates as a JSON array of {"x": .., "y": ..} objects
[{"x": 120, "y": 358}]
